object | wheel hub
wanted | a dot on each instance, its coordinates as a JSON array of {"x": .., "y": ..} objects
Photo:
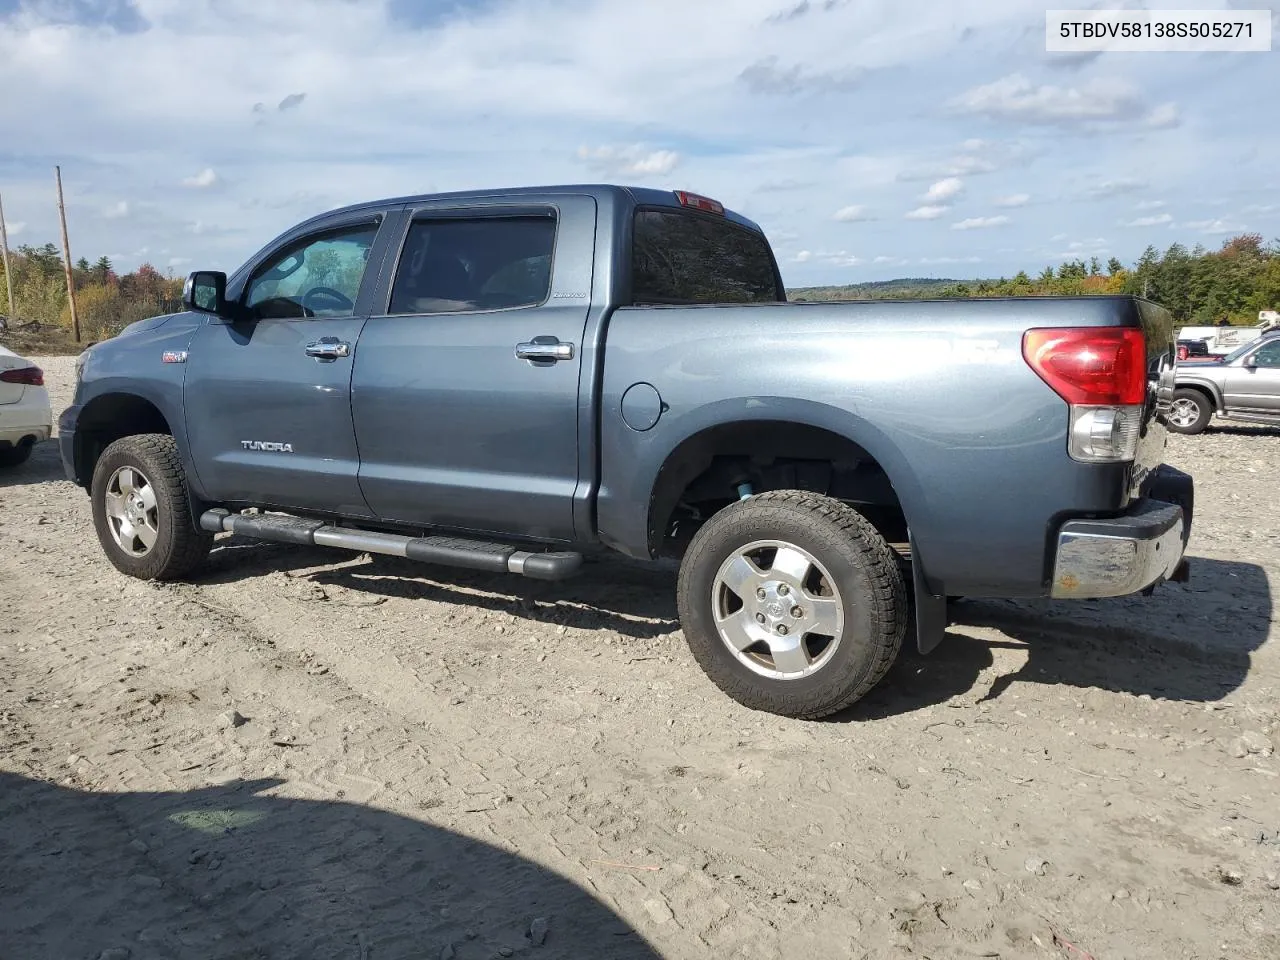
[
  {"x": 777, "y": 610},
  {"x": 779, "y": 607}
]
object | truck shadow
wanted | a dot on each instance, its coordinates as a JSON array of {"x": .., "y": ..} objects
[
  {"x": 1189, "y": 641},
  {"x": 230, "y": 871},
  {"x": 630, "y": 598},
  {"x": 1242, "y": 430}
]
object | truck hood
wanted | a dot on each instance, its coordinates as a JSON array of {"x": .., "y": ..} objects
[{"x": 150, "y": 323}]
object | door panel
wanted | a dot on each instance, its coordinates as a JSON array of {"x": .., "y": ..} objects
[
  {"x": 256, "y": 385},
  {"x": 455, "y": 429},
  {"x": 1256, "y": 388},
  {"x": 268, "y": 397}
]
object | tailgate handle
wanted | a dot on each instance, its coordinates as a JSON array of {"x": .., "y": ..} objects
[{"x": 545, "y": 349}]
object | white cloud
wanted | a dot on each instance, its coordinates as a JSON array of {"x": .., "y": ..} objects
[
  {"x": 1017, "y": 98},
  {"x": 927, "y": 212},
  {"x": 1153, "y": 221},
  {"x": 1164, "y": 116},
  {"x": 979, "y": 223},
  {"x": 14, "y": 227},
  {"x": 843, "y": 259},
  {"x": 1217, "y": 225},
  {"x": 117, "y": 210},
  {"x": 630, "y": 161},
  {"x": 853, "y": 214},
  {"x": 943, "y": 190},
  {"x": 202, "y": 180},
  {"x": 804, "y": 256},
  {"x": 1014, "y": 200},
  {"x": 1111, "y": 188},
  {"x": 890, "y": 261},
  {"x": 178, "y": 261},
  {"x": 946, "y": 260},
  {"x": 1148, "y": 205}
]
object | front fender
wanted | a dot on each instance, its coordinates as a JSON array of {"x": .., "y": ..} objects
[
  {"x": 148, "y": 364},
  {"x": 1207, "y": 384}
]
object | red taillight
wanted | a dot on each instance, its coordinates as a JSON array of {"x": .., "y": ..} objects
[
  {"x": 697, "y": 202},
  {"x": 1090, "y": 365},
  {"x": 28, "y": 376}
]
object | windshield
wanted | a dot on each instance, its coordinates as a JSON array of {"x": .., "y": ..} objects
[{"x": 1239, "y": 351}]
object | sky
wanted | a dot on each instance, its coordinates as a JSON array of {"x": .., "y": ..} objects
[{"x": 871, "y": 139}]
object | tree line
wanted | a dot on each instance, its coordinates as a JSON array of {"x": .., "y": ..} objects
[
  {"x": 1198, "y": 286},
  {"x": 106, "y": 301}
]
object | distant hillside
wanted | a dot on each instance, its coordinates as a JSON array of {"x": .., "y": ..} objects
[
  {"x": 902, "y": 288},
  {"x": 1198, "y": 286}
]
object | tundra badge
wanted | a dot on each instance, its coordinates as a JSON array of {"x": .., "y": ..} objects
[{"x": 267, "y": 445}]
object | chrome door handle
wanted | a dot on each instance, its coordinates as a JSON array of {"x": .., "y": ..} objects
[
  {"x": 546, "y": 349},
  {"x": 328, "y": 348}
]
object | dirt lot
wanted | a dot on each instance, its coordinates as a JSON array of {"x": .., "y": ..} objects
[{"x": 319, "y": 755}]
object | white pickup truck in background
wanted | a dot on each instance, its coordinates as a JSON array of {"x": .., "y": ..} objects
[{"x": 1221, "y": 340}]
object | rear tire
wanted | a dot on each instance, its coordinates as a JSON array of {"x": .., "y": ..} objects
[
  {"x": 792, "y": 603},
  {"x": 141, "y": 511},
  {"x": 1191, "y": 411},
  {"x": 16, "y": 455}
]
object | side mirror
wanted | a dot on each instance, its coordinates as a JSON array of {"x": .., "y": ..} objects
[
  {"x": 206, "y": 292},
  {"x": 1250, "y": 362}
]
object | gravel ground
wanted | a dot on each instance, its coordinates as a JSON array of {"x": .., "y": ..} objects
[{"x": 312, "y": 754}]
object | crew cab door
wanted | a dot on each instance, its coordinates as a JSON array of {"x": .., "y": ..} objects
[
  {"x": 465, "y": 392},
  {"x": 1255, "y": 387},
  {"x": 268, "y": 396}
]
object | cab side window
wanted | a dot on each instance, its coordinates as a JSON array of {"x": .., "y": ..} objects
[
  {"x": 318, "y": 276},
  {"x": 474, "y": 265}
]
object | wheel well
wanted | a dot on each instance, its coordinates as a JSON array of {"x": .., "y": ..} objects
[
  {"x": 105, "y": 420},
  {"x": 704, "y": 474},
  {"x": 1202, "y": 390}
]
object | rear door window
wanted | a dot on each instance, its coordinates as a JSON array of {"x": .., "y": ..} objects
[
  {"x": 455, "y": 265},
  {"x": 686, "y": 257}
]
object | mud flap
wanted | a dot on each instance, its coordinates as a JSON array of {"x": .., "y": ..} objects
[
  {"x": 930, "y": 610},
  {"x": 1171, "y": 485}
]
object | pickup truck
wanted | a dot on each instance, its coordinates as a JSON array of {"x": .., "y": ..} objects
[
  {"x": 513, "y": 380},
  {"x": 1243, "y": 385}
]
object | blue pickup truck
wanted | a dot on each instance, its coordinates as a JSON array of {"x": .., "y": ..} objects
[{"x": 509, "y": 380}]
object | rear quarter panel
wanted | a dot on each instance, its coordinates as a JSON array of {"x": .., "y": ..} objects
[{"x": 972, "y": 439}]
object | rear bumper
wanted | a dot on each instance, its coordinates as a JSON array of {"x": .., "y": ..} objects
[
  {"x": 1123, "y": 555},
  {"x": 13, "y": 435}
]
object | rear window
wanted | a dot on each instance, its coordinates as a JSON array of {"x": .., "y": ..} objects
[{"x": 681, "y": 257}]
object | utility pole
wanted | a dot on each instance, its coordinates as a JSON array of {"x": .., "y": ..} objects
[
  {"x": 66, "y": 255},
  {"x": 8, "y": 274}
]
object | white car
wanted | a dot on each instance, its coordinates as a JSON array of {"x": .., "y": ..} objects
[{"x": 25, "y": 415}]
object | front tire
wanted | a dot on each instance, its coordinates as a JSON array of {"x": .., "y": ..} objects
[
  {"x": 792, "y": 603},
  {"x": 141, "y": 511},
  {"x": 1191, "y": 411}
]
